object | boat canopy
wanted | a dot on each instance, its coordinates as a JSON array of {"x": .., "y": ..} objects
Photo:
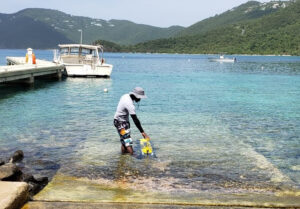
[
  {"x": 80, "y": 49},
  {"x": 80, "y": 46}
]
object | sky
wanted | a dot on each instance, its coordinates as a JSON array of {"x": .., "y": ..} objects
[{"x": 161, "y": 13}]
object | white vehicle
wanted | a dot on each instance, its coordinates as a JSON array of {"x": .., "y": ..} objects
[
  {"x": 82, "y": 60},
  {"x": 223, "y": 59}
]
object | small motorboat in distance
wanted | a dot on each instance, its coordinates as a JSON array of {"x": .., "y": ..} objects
[
  {"x": 83, "y": 60},
  {"x": 222, "y": 59}
]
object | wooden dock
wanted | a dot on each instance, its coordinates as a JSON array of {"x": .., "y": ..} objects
[{"x": 18, "y": 70}]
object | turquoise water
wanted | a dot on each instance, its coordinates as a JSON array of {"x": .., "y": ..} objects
[{"x": 219, "y": 127}]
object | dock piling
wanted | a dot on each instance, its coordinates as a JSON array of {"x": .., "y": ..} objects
[{"x": 30, "y": 80}]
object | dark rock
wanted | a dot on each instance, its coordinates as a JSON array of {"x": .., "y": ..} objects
[
  {"x": 35, "y": 184},
  {"x": 9, "y": 172},
  {"x": 42, "y": 181},
  {"x": 30, "y": 178},
  {"x": 27, "y": 178},
  {"x": 34, "y": 188},
  {"x": 17, "y": 156},
  {"x": 38, "y": 184}
]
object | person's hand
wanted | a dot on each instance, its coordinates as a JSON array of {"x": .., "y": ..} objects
[{"x": 145, "y": 136}]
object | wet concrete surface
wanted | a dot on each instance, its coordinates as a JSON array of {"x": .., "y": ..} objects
[{"x": 72, "y": 205}]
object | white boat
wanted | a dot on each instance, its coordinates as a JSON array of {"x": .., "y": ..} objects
[
  {"x": 223, "y": 59},
  {"x": 82, "y": 60}
]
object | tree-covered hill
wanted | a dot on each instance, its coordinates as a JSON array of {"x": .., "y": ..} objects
[
  {"x": 251, "y": 28},
  {"x": 275, "y": 33},
  {"x": 109, "y": 46},
  {"x": 245, "y": 12},
  {"x": 66, "y": 28},
  {"x": 25, "y": 32}
]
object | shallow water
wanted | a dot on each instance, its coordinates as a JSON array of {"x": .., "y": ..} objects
[{"x": 217, "y": 128}]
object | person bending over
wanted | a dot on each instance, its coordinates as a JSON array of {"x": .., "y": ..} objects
[{"x": 121, "y": 118}]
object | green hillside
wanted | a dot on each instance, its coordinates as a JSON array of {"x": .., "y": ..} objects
[
  {"x": 118, "y": 31},
  {"x": 26, "y": 32},
  {"x": 275, "y": 33},
  {"x": 109, "y": 46},
  {"x": 46, "y": 28},
  {"x": 245, "y": 12},
  {"x": 251, "y": 28}
]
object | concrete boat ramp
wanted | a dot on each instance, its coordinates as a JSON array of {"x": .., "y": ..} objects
[
  {"x": 18, "y": 70},
  {"x": 90, "y": 205},
  {"x": 14, "y": 195}
]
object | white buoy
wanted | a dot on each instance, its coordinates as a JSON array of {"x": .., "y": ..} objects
[{"x": 105, "y": 90}]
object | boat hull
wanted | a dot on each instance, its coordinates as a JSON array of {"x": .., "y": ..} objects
[
  {"x": 223, "y": 60},
  {"x": 79, "y": 70}
]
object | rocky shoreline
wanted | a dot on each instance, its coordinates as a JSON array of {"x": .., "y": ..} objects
[{"x": 11, "y": 171}]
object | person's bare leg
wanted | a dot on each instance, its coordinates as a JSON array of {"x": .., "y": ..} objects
[
  {"x": 126, "y": 149},
  {"x": 130, "y": 150},
  {"x": 123, "y": 149}
]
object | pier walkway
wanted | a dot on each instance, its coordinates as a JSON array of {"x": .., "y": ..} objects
[{"x": 17, "y": 70}]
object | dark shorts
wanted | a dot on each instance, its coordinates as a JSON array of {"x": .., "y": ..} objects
[{"x": 123, "y": 129}]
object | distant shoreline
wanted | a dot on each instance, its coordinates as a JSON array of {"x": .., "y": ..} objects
[{"x": 267, "y": 55}]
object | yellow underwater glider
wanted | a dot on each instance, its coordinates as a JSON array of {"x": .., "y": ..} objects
[{"x": 146, "y": 147}]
